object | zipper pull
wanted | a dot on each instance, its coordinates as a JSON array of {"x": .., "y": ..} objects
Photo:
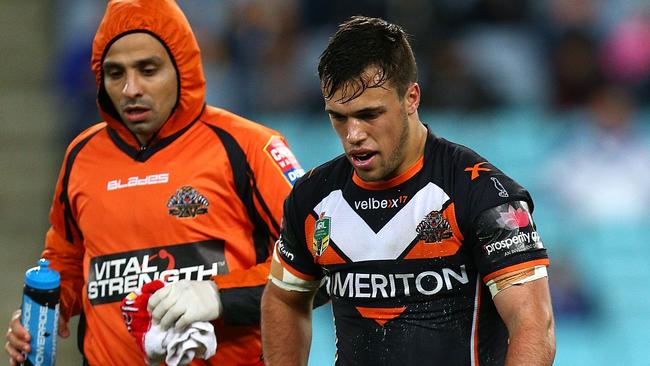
[{"x": 140, "y": 152}]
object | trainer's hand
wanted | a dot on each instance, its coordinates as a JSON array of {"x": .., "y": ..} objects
[
  {"x": 17, "y": 340},
  {"x": 182, "y": 303},
  {"x": 63, "y": 331}
]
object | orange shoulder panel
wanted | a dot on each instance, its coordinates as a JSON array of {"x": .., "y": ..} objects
[{"x": 57, "y": 209}]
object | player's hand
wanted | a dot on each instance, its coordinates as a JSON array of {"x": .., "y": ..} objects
[
  {"x": 17, "y": 340},
  {"x": 184, "y": 302}
]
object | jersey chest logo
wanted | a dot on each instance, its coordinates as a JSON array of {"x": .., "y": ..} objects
[
  {"x": 187, "y": 202},
  {"x": 321, "y": 238},
  {"x": 434, "y": 228}
]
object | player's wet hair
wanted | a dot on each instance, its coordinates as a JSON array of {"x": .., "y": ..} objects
[{"x": 363, "y": 42}]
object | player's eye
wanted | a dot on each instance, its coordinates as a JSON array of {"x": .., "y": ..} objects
[
  {"x": 369, "y": 116},
  {"x": 337, "y": 117}
]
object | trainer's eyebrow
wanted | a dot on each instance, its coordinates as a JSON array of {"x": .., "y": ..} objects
[
  {"x": 110, "y": 65},
  {"x": 148, "y": 61},
  {"x": 156, "y": 60}
]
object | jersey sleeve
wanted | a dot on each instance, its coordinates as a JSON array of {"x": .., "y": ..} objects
[
  {"x": 507, "y": 240},
  {"x": 271, "y": 169},
  {"x": 496, "y": 219},
  {"x": 67, "y": 259},
  {"x": 278, "y": 170},
  {"x": 64, "y": 242},
  {"x": 293, "y": 267}
]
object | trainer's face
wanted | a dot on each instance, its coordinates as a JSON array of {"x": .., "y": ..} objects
[
  {"x": 140, "y": 79},
  {"x": 375, "y": 130}
]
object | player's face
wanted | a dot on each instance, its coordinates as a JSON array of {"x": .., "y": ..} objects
[
  {"x": 375, "y": 130},
  {"x": 140, "y": 79}
]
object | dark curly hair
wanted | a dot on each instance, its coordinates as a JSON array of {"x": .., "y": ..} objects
[{"x": 363, "y": 42}]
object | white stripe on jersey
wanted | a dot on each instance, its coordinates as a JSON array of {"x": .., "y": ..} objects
[{"x": 360, "y": 243}]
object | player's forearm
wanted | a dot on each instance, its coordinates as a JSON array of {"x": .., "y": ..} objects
[
  {"x": 286, "y": 328},
  {"x": 532, "y": 344},
  {"x": 527, "y": 312}
]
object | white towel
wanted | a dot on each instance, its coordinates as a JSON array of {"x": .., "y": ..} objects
[
  {"x": 181, "y": 347},
  {"x": 175, "y": 347}
]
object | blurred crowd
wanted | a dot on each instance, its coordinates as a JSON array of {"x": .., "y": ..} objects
[
  {"x": 584, "y": 65},
  {"x": 260, "y": 56}
]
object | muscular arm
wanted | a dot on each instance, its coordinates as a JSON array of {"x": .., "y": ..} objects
[
  {"x": 528, "y": 315},
  {"x": 286, "y": 326}
]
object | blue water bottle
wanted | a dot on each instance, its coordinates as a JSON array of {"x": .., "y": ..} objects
[{"x": 40, "y": 313}]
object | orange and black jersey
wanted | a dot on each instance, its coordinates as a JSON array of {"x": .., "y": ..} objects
[
  {"x": 201, "y": 200},
  {"x": 204, "y": 206},
  {"x": 406, "y": 260}
]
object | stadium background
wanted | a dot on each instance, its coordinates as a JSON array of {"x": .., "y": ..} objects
[{"x": 556, "y": 93}]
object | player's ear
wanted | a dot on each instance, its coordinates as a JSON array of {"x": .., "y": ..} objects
[{"x": 412, "y": 98}]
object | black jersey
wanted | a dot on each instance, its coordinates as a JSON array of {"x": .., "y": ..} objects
[{"x": 407, "y": 259}]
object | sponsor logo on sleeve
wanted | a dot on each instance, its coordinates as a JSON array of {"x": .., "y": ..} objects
[
  {"x": 187, "y": 202},
  {"x": 113, "y": 276},
  {"x": 434, "y": 228},
  {"x": 502, "y": 191},
  {"x": 516, "y": 243},
  {"x": 321, "y": 234},
  {"x": 284, "y": 159},
  {"x": 522, "y": 236},
  {"x": 474, "y": 170},
  {"x": 514, "y": 218},
  {"x": 286, "y": 253}
]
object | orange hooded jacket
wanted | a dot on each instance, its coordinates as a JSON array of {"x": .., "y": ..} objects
[{"x": 203, "y": 200}]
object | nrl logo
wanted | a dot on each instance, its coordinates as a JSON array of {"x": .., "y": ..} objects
[
  {"x": 434, "y": 228},
  {"x": 321, "y": 235},
  {"x": 187, "y": 202}
]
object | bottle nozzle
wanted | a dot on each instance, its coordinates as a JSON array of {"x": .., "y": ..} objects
[{"x": 43, "y": 276}]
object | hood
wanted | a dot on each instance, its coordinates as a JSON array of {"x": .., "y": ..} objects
[{"x": 164, "y": 20}]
